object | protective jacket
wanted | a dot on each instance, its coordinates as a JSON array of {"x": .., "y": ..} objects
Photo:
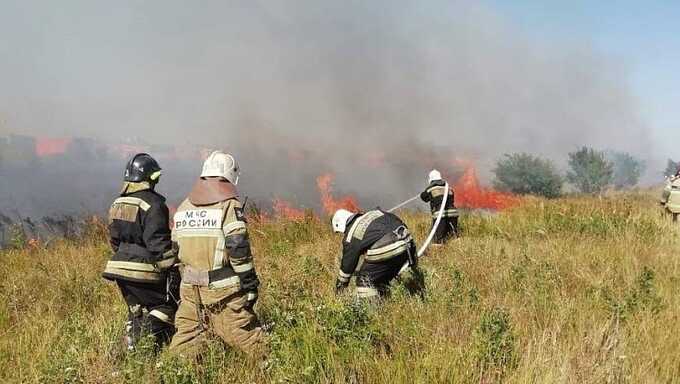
[
  {"x": 375, "y": 238},
  {"x": 670, "y": 197},
  {"x": 140, "y": 237},
  {"x": 434, "y": 194},
  {"x": 214, "y": 249},
  {"x": 219, "y": 283}
]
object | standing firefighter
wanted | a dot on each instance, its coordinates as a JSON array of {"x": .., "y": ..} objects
[
  {"x": 670, "y": 198},
  {"x": 375, "y": 247},
  {"x": 143, "y": 258},
  {"x": 434, "y": 194},
  {"x": 219, "y": 284}
]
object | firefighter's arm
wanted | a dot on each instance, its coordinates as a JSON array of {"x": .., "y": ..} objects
[
  {"x": 351, "y": 252},
  {"x": 114, "y": 231},
  {"x": 114, "y": 236},
  {"x": 425, "y": 196},
  {"x": 237, "y": 244},
  {"x": 157, "y": 237}
]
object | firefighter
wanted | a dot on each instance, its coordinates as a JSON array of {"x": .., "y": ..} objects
[
  {"x": 142, "y": 264},
  {"x": 219, "y": 284},
  {"x": 670, "y": 197},
  {"x": 375, "y": 246},
  {"x": 434, "y": 194}
]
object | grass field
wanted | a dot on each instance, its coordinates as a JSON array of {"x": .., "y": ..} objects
[{"x": 574, "y": 290}]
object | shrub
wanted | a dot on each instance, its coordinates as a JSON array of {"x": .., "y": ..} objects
[
  {"x": 627, "y": 169},
  {"x": 590, "y": 172},
  {"x": 523, "y": 173}
]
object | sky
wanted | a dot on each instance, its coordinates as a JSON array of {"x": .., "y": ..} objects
[
  {"x": 112, "y": 69},
  {"x": 642, "y": 35}
]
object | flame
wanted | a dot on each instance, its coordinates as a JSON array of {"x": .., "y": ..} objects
[
  {"x": 50, "y": 147},
  {"x": 469, "y": 194},
  {"x": 329, "y": 204},
  {"x": 284, "y": 209}
]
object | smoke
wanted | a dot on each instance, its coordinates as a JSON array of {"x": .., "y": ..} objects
[{"x": 375, "y": 91}]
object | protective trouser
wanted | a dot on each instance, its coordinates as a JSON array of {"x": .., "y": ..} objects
[
  {"x": 448, "y": 228},
  {"x": 231, "y": 319},
  {"x": 373, "y": 279},
  {"x": 150, "y": 312}
]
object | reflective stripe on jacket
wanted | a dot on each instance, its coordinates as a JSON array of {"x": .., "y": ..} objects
[
  {"x": 214, "y": 249},
  {"x": 140, "y": 238},
  {"x": 434, "y": 194},
  {"x": 373, "y": 237}
]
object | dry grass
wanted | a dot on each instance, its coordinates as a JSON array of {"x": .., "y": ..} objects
[{"x": 576, "y": 290}]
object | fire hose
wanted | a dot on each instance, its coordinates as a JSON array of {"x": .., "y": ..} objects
[
  {"x": 402, "y": 204},
  {"x": 423, "y": 248}
]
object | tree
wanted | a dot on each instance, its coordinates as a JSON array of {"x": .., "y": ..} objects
[
  {"x": 590, "y": 172},
  {"x": 523, "y": 173},
  {"x": 671, "y": 168},
  {"x": 627, "y": 169}
]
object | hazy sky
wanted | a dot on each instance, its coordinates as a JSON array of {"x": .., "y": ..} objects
[
  {"x": 167, "y": 68},
  {"x": 643, "y": 35}
]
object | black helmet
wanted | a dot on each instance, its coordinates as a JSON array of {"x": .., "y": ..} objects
[{"x": 142, "y": 167}]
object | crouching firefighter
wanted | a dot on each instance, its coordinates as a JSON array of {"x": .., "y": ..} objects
[
  {"x": 376, "y": 245},
  {"x": 143, "y": 260},
  {"x": 219, "y": 284},
  {"x": 434, "y": 194}
]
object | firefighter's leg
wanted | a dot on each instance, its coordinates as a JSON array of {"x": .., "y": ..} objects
[
  {"x": 238, "y": 325},
  {"x": 160, "y": 323},
  {"x": 373, "y": 279},
  {"x": 150, "y": 313},
  {"x": 133, "y": 325},
  {"x": 448, "y": 228},
  {"x": 440, "y": 231},
  {"x": 454, "y": 225},
  {"x": 189, "y": 337}
]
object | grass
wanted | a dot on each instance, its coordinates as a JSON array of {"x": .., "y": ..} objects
[{"x": 573, "y": 290}]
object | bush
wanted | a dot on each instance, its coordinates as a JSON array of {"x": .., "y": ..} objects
[
  {"x": 523, "y": 173},
  {"x": 627, "y": 169},
  {"x": 590, "y": 172}
]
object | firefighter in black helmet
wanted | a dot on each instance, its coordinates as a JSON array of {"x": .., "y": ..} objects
[{"x": 143, "y": 264}]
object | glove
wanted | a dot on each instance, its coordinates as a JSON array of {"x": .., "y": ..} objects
[
  {"x": 251, "y": 299},
  {"x": 340, "y": 286},
  {"x": 249, "y": 281}
]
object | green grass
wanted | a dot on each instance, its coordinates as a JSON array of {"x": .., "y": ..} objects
[{"x": 573, "y": 290}]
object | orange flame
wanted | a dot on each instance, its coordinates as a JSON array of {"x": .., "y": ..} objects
[
  {"x": 284, "y": 209},
  {"x": 469, "y": 194},
  {"x": 50, "y": 147},
  {"x": 330, "y": 204}
]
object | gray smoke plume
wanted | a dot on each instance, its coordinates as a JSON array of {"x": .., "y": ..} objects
[{"x": 374, "y": 91}]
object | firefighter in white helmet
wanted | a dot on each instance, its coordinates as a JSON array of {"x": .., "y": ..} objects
[
  {"x": 375, "y": 247},
  {"x": 434, "y": 194},
  {"x": 219, "y": 283}
]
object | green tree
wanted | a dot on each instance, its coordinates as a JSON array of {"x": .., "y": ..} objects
[
  {"x": 627, "y": 169},
  {"x": 523, "y": 173},
  {"x": 590, "y": 171},
  {"x": 671, "y": 168}
]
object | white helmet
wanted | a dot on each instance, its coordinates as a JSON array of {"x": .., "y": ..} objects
[
  {"x": 340, "y": 218},
  {"x": 220, "y": 164},
  {"x": 434, "y": 175}
]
